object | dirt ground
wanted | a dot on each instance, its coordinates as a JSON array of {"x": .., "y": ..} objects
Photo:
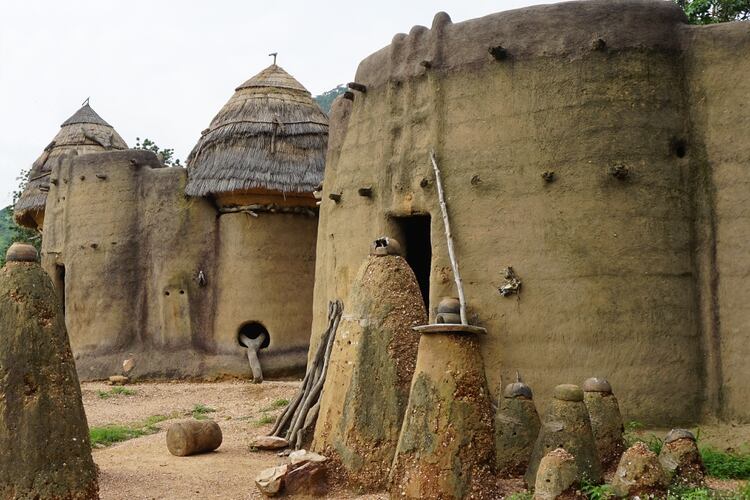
[{"x": 142, "y": 468}]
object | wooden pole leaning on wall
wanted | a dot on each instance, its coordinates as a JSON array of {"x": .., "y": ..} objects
[
  {"x": 449, "y": 238},
  {"x": 301, "y": 414}
]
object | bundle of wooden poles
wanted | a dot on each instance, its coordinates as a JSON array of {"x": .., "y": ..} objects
[{"x": 299, "y": 417}]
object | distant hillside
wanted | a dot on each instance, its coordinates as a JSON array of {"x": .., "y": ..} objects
[{"x": 325, "y": 100}]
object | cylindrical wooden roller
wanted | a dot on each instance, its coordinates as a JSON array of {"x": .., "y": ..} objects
[{"x": 192, "y": 437}]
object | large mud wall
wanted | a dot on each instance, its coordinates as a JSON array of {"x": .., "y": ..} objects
[
  {"x": 610, "y": 267},
  {"x": 132, "y": 245},
  {"x": 266, "y": 269}
]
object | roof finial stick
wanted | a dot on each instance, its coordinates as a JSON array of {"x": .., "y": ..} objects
[
  {"x": 274, "y": 54},
  {"x": 86, "y": 102}
]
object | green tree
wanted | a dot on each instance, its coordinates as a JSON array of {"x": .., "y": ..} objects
[
  {"x": 325, "y": 100},
  {"x": 166, "y": 155},
  {"x": 715, "y": 11},
  {"x": 10, "y": 232}
]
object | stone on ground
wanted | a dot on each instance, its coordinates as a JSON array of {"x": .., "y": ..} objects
[
  {"x": 268, "y": 443},
  {"x": 567, "y": 425},
  {"x": 45, "y": 452},
  {"x": 606, "y": 420},
  {"x": 269, "y": 481},
  {"x": 556, "y": 476},
  {"x": 300, "y": 456},
  {"x": 681, "y": 459},
  {"x": 516, "y": 429},
  {"x": 306, "y": 475},
  {"x": 639, "y": 473}
]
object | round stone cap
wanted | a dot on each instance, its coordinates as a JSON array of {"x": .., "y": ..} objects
[
  {"x": 385, "y": 245},
  {"x": 596, "y": 384},
  {"x": 676, "y": 434},
  {"x": 21, "y": 252},
  {"x": 517, "y": 390},
  {"x": 568, "y": 392}
]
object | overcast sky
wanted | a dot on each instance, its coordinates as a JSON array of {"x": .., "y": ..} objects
[{"x": 162, "y": 69}]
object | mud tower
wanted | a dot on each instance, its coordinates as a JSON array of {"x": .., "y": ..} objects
[
  {"x": 616, "y": 197},
  {"x": 259, "y": 162},
  {"x": 84, "y": 132}
]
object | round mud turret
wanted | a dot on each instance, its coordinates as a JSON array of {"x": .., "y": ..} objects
[
  {"x": 371, "y": 367},
  {"x": 45, "y": 452},
  {"x": 606, "y": 420},
  {"x": 516, "y": 429},
  {"x": 567, "y": 425},
  {"x": 446, "y": 445}
]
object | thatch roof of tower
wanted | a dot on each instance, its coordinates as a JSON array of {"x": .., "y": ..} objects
[
  {"x": 270, "y": 135},
  {"x": 84, "y": 132}
]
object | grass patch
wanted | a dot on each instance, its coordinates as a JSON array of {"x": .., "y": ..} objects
[
  {"x": 110, "y": 434},
  {"x": 279, "y": 403},
  {"x": 201, "y": 411},
  {"x": 520, "y": 495},
  {"x": 597, "y": 491},
  {"x": 633, "y": 435},
  {"x": 726, "y": 465},
  {"x": 116, "y": 391},
  {"x": 265, "y": 420}
]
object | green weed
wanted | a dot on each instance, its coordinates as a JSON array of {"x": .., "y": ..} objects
[
  {"x": 201, "y": 411},
  {"x": 116, "y": 391},
  {"x": 264, "y": 420},
  {"x": 597, "y": 491},
  {"x": 726, "y": 465}
]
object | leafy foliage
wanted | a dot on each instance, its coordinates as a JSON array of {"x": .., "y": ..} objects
[
  {"x": 726, "y": 465},
  {"x": 597, "y": 491},
  {"x": 165, "y": 155},
  {"x": 715, "y": 11},
  {"x": 10, "y": 232},
  {"x": 325, "y": 100},
  {"x": 634, "y": 433}
]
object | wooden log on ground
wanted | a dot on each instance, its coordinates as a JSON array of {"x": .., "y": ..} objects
[{"x": 193, "y": 437}]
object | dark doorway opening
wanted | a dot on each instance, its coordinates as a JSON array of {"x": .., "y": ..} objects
[
  {"x": 60, "y": 284},
  {"x": 253, "y": 330},
  {"x": 414, "y": 234}
]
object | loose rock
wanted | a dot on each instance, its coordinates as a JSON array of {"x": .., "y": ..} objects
[
  {"x": 269, "y": 481},
  {"x": 307, "y": 479},
  {"x": 681, "y": 459},
  {"x": 301, "y": 456},
  {"x": 556, "y": 476},
  {"x": 639, "y": 473},
  {"x": 269, "y": 443}
]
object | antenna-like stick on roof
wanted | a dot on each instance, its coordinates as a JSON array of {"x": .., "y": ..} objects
[
  {"x": 86, "y": 101},
  {"x": 274, "y": 54}
]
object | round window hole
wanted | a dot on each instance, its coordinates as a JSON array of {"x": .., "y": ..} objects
[
  {"x": 253, "y": 330},
  {"x": 182, "y": 292},
  {"x": 166, "y": 293}
]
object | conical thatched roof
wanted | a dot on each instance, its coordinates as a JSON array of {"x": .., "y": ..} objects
[
  {"x": 84, "y": 132},
  {"x": 271, "y": 135}
]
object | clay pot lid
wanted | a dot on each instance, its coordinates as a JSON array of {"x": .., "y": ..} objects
[
  {"x": 676, "y": 434},
  {"x": 518, "y": 389},
  {"x": 449, "y": 305},
  {"x": 21, "y": 252},
  {"x": 596, "y": 384},
  {"x": 385, "y": 245},
  {"x": 568, "y": 392}
]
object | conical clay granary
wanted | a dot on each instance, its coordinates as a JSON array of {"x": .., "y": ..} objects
[
  {"x": 516, "y": 428},
  {"x": 446, "y": 448},
  {"x": 567, "y": 425},
  {"x": 372, "y": 362},
  {"x": 606, "y": 420},
  {"x": 45, "y": 451}
]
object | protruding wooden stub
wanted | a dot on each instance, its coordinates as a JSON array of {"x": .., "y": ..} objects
[{"x": 359, "y": 87}]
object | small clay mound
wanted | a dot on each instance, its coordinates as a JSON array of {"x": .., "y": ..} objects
[
  {"x": 516, "y": 429},
  {"x": 606, "y": 421},
  {"x": 556, "y": 477},
  {"x": 370, "y": 372},
  {"x": 681, "y": 459},
  {"x": 567, "y": 425},
  {"x": 446, "y": 448},
  {"x": 45, "y": 451},
  {"x": 639, "y": 474}
]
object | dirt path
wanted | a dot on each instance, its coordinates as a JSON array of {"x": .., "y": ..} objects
[{"x": 142, "y": 468}]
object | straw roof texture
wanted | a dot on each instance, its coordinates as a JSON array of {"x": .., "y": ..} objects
[
  {"x": 270, "y": 135},
  {"x": 84, "y": 132}
]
